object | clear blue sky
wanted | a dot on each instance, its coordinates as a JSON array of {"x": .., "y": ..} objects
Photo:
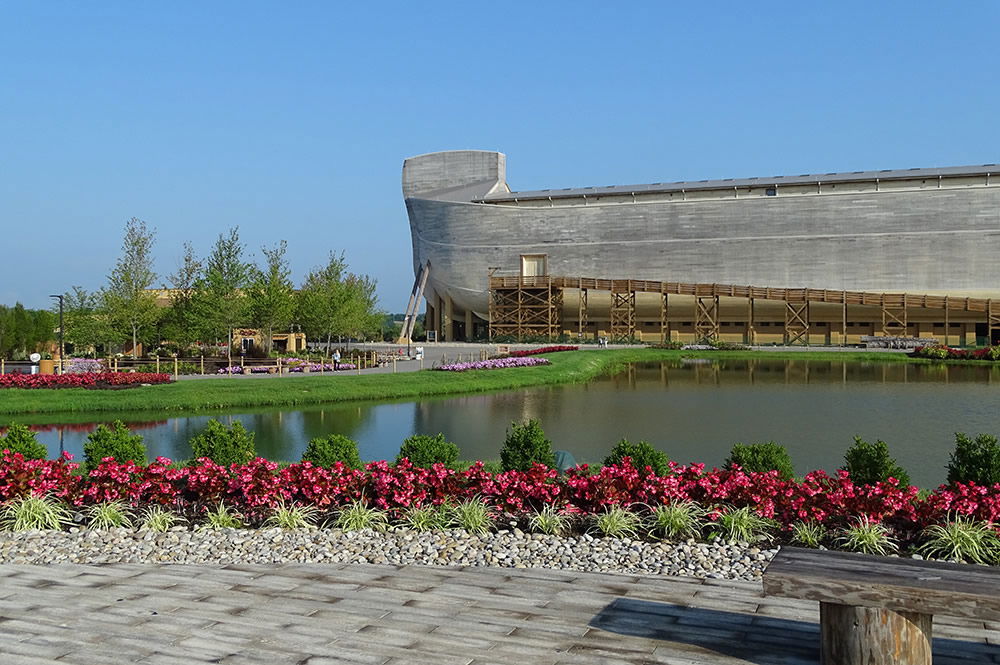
[{"x": 292, "y": 120}]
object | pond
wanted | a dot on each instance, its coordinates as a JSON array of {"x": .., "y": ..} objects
[{"x": 694, "y": 411}]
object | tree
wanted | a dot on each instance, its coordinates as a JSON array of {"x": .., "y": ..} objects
[
  {"x": 180, "y": 323},
  {"x": 321, "y": 300},
  {"x": 85, "y": 326},
  {"x": 129, "y": 303},
  {"x": 219, "y": 301},
  {"x": 271, "y": 296}
]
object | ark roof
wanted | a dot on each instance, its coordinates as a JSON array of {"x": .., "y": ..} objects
[{"x": 730, "y": 183}]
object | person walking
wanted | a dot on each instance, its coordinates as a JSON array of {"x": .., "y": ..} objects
[{"x": 336, "y": 360}]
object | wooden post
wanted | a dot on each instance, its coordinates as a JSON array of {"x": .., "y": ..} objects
[
  {"x": 176, "y": 372},
  {"x": 873, "y": 636},
  {"x": 394, "y": 364},
  {"x": 2, "y": 369},
  {"x": 947, "y": 322},
  {"x": 157, "y": 363},
  {"x": 203, "y": 364}
]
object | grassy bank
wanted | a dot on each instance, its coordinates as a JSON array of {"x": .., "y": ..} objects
[{"x": 228, "y": 393}]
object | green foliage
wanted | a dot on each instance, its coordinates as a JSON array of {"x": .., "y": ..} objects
[
  {"x": 424, "y": 450},
  {"x": 333, "y": 302},
  {"x": 962, "y": 539},
  {"x": 128, "y": 302},
  {"x": 23, "y": 331},
  {"x": 742, "y": 525},
  {"x": 768, "y": 456},
  {"x": 867, "y": 537},
  {"x": 115, "y": 441},
  {"x": 526, "y": 444},
  {"x": 678, "y": 520},
  {"x": 225, "y": 446},
  {"x": 356, "y": 516},
  {"x": 20, "y": 439},
  {"x": 158, "y": 519},
  {"x": 870, "y": 463},
  {"x": 550, "y": 521},
  {"x": 179, "y": 322},
  {"x": 975, "y": 460},
  {"x": 109, "y": 515},
  {"x": 642, "y": 454},
  {"x": 27, "y": 513},
  {"x": 617, "y": 522},
  {"x": 426, "y": 518},
  {"x": 271, "y": 296},
  {"x": 808, "y": 533},
  {"x": 473, "y": 515},
  {"x": 293, "y": 516},
  {"x": 221, "y": 517},
  {"x": 328, "y": 450},
  {"x": 218, "y": 300}
]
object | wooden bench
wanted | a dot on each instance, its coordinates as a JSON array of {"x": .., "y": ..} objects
[{"x": 878, "y": 610}]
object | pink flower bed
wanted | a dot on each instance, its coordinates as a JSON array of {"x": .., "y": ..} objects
[
  {"x": 255, "y": 488},
  {"x": 88, "y": 380},
  {"x": 495, "y": 363},
  {"x": 544, "y": 349}
]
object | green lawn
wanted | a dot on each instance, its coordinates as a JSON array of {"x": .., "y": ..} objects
[{"x": 229, "y": 393}]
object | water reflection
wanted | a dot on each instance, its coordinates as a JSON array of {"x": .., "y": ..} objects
[{"x": 693, "y": 410}]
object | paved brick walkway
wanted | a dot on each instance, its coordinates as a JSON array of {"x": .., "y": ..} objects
[{"x": 316, "y": 614}]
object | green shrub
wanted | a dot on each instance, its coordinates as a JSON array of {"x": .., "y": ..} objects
[
  {"x": 870, "y": 463},
  {"x": 326, "y": 451},
  {"x": 762, "y": 457},
  {"x": 526, "y": 445},
  {"x": 20, "y": 439},
  {"x": 642, "y": 455},
  {"x": 224, "y": 446},
  {"x": 115, "y": 441},
  {"x": 975, "y": 460},
  {"x": 424, "y": 450}
]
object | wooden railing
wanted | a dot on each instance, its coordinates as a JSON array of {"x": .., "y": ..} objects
[{"x": 758, "y": 292}]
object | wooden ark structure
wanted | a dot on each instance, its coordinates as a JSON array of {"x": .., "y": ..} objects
[{"x": 812, "y": 259}]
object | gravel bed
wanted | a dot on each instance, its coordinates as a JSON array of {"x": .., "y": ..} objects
[{"x": 506, "y": 548}]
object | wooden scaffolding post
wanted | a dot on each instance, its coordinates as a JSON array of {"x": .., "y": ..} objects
[
  {"x": 893, "y": 315},
  {"x": 992, "y": 321},
  {"x": 796, "y": 323},
  {"x": 947, "y": 321},
  {"x": 843, "y": 321},
  {"x": 582, "y": 313},
  {"x": 706, "y": 320},
  {"x": 622, "y": 315},
  {"x": 751, "y": 330},
  {"x": 664, "y": 320}
]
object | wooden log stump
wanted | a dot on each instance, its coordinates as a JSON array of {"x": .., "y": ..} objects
[{"x": 873, "y": 636}]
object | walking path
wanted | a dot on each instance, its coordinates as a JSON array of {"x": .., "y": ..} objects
[{"x": 313, "y": 614}]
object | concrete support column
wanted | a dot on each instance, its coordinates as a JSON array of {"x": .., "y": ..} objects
[
  {"x": 430, "y": 316},
  {"x": 468, "y": 325}
]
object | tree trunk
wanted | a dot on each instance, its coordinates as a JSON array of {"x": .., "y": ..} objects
[
  {"x": 134, "y": 336},
  {"x": 873, "y": 636}
]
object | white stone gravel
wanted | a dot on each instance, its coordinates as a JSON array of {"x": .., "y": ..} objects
[{"x": 506, "y": 548}]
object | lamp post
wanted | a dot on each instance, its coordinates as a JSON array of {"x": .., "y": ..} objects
[{"x": 61, "y": 346}]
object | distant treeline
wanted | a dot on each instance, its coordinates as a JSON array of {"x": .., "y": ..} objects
[{"x": 24, "y": 331}]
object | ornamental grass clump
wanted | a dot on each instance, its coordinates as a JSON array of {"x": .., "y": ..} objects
[
  {"x": 158, "y": 519},
  {"x": 221, "y": 517},
  {"x": 474, "y": 515},
  {"x": 116, "y": 441},
  {"x": 425, "y": 518},
  {"x": 28, "y": 513},
  {"x": 761, "y": 457},
  {"x": 870, "y": 464},
  {"x": 975, "y": 460},
  {"x": 962, "y": 539},
  {"x": 617, "y": 522},
  {"x": 808, "y": 533},
  {"x": 109, "y": 515},
  {"x": 357, "y": 516},
  {"x": 325, "y": 451},
  {"x": 868, "y": 537},
  {"x": 741, "y": 525},
  {"x": 224, "y": 446},
  {"x": 550, "y": 521},
  {"x": 20, "y": 439},
  {"x": 424, "y": 451},
  {"x": 677, "y": 520},
  {"x": 642, "y": 455},
  {"x": 292, "y": 516},
  {"x": 525, "y": 446}
]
